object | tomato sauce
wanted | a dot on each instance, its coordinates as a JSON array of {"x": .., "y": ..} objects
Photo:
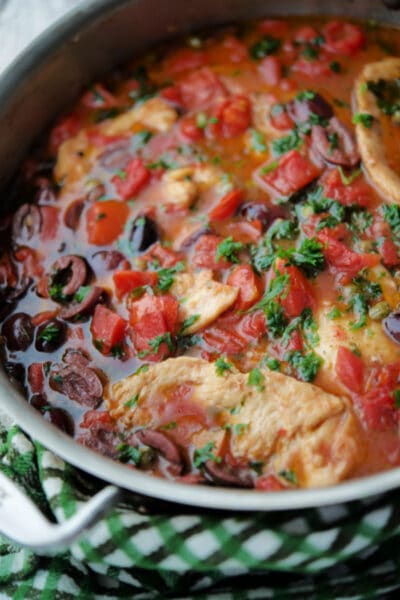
[{"x": 231, "y": 151}]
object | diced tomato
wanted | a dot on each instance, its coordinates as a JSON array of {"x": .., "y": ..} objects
[
  {"x": 107, "y": 328},
  {"x": 190, "y": 129},
  {"x": 342, "y": 260},
  {"x": 378, "y": 411},
  {"x": 339, "y": 232},
  {"x": 253, "y": 324},
  {"x": 274, "y": 27},
  {"x": 298, "y": 293},
  {"x": 389, "y": 252},
  {"x": 99, "y": 97},
  {"x": 232, "y": 117},
  {"x": 8, "y": 275},
  {"x": 185, "y": 59},
  {"x": 281, "y": 120},
  {"x": 320, "y": 67},
  {"x": 136, "y": 177},
  {"x": 249, "y": 285},
  {"x": 270, "y": 69},
  {"x": 306, "y": 34},
  {"x": 105, "y": 221},
  {"x": 269, "y": 483},
  {"x": 43, "y": 316},
  {"x": 32, "y": 265},
  {"x": 224, "y": 340},
  {"x": 292, "y": 172},
  {"x": 350, "y": 369},
  {"x": 226, "y": 206},
  {"x": 36, "y": 378},
  {"x": 343, "y": 38},
  {"x": 164, "y": 256},
  {"x": 356, "y": 192},
  {"x": 97, "y": 418},
  {"x": 172, "y": 94},
  {"x": 229, "y": 49},
  {"x": 65, "y": 128},
  {"x": 200, "y": 89},
  {"x": 153, "y": 316},
  {"x": 244, "y": 231},
  {"x": 295, "y": 342},
  {"x": 50, "y": 220},
  {"x": 126, "y": 281},
  {"x": 205, "y": 252}
]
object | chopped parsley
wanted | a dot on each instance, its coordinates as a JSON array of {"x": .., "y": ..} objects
[
  {"x": 132, "y": 402},
  {"x": 50, "y": 333},
  {"x": 289, "y": 475},
  {"x": 387, "y": 94},
  {"x": 396, "y": 396},
  {"x": 364, "y": 119},
  {"x": 275, "y": 319},
  {"x": 258, "y": 141},
  {"x": 128, "y": 454},
  {"x": 81, "y": 294},
  {"x": 222, "y": 365},
  {"x": 229, "y": 250},
  {"x": 348, "y": 179},
  {"x": 273, "y": 364},
  {"x": 189, "y": 322},
  {"x": 166, "y": 276},
  {"x": 289, "y": 142},
  {"x": 334, "y": 313},
  {"x": 335, "y": 66},
  {"x": 305, "y": 365},
  {"x": 256, "y": 378},
  {"x": 163, "y": 338},
  {"x": 202, "y": 455},
  {"x": 264, "y": 47},
  {"x": 391, "y": 214}
]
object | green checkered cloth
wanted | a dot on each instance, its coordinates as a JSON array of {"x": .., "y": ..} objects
[{"x": 160, "y": 554}]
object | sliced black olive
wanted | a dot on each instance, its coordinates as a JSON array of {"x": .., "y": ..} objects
[
  {"x": 79, "y": 309},
  {"x": 166, "y": 447},
  {"x": 95, "y": 193},
  {"x": 79, "y": 383},
  {"x": 391, "y": 326},
  {"x": 27, "y": 223},
  {"x": 255, "y": 211},
  {"x": 194, "y": 237},
  {"x": 20, "y": 290},
  {"x": 60, "y": 418},
  {"x": 50, "y": 335},
  {"x": 144, "y": 233},
  {"x": 108, "y": 260},
  {"x": 73, "y": 214},
  {"x": 18, "y": 331},
  {"x": 15, "y": 371},
  {"x": 301, "y": 110},
  {"x": 67, "y": 275},
  {"x": 335, "y": 144},
  {"x": 224, "y": 474}
]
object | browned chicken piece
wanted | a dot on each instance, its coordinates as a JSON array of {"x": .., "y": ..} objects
[
  {"x": 370, "y": 139},
  {"x": 285, "y": 423}
]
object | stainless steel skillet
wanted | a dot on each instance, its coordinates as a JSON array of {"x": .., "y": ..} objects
[{"x": 47, "y": 77}]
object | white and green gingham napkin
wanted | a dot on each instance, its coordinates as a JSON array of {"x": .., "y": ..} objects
[{"x": 172, "y": 553}]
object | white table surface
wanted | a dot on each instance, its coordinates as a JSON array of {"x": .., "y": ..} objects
[{"x": 22, "y": 20}]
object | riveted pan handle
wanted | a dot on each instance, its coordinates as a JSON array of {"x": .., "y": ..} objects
[{"x": 23, "y": 523}]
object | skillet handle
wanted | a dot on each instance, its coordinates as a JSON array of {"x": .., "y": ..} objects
[{"x": 23, "y": 523}]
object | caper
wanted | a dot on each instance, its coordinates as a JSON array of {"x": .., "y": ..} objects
[{"x": 379, "y": 311}]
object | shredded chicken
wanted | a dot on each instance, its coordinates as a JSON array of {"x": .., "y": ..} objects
[{"x": 156, "y": 114}]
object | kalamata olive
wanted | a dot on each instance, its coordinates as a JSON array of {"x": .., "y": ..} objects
[
  {"x": 79, "y": 383},
  {"x": 166, "y": 447},
  {"x": 50, "y": 335},
  {"x": 116, "y": 155},
  {"x": 27, "y": 223},
  {"x": 335, "y": 143},
  {"x": 75, "y": 357},
  {"x": 144, "y": 234},
  {"x": 45, "y": 194},
  {"x": 38, "y": 401},
  {"x": 79, "y": 309},
  {"x": 224, "y": 474},
  {"x": 15, "y": 371},
  {"x": 73, "y": 214},
  {"x": 18, "y": 331},
  {"x": 101, "y": 439},
  {"x": 391, "y": 326},
  {"x": 193, "y": 237},
  {"x": 255, "y": 211},
  {"x": 301, "y": 110},
  {"x": 60, "y": 418},
  {"x": 20, "y": 289},
  {"x": 70, "y": 273},
  {"x": 108, "y": 260}
]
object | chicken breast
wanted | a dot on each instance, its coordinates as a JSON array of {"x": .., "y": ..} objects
[
  {"x": 156, "y": 114},
  {"x": 370, "y": 139},
  {"x": 183, "y": 186},
  {"x": 201, "y": 299},
  {"x": 285, "y": 423}
]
